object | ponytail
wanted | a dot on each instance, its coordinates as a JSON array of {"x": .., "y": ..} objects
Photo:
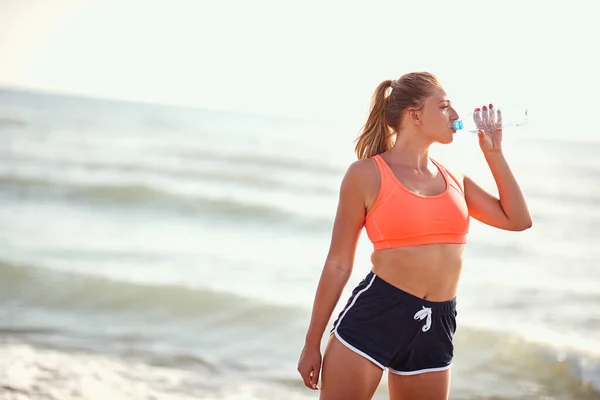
[{"x": 376, "y": 136}]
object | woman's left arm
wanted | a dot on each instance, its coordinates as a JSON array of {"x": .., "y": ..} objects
[{"x": 509, "y": 212}]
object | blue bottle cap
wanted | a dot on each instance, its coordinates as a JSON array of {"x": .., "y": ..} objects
[{"x": 457, "y": 125}]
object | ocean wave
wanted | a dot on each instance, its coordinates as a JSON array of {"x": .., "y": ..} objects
[
  {"x": 260, "y": 160},
  {"x": 487, "y": 365},
  {"x": 168, "y": 158},
  {"x": 534, "y": 368},
  {"x": 28, "y": 372},
  {"x": 12, "y": 122},
  {"x": 241, "y": 170},
  {"x": 134, "y": 194},
  {"x": 29, "y": 285},
  {"x": 240, "y": 175}
]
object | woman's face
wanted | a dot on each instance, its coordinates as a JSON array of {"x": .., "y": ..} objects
[{"x": 436, "y": 117}]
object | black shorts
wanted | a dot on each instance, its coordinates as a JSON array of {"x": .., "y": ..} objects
[{"x": 396, "y": 330}]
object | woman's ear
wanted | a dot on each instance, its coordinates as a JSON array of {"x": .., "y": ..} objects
[{"x": 414, "y": 116}]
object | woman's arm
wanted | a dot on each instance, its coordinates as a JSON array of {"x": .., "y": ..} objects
[
  {"x": 508, "y": 212},
  {"x": 349, "y": 221}
]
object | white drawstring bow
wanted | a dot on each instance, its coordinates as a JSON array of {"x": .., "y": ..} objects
[{"x": 421, "y": 315}]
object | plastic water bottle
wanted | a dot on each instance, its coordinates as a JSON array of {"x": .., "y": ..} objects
[{"x": 512, "y": 116}]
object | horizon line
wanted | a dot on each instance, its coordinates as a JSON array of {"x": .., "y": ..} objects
[{"x": 140, "y": 101}]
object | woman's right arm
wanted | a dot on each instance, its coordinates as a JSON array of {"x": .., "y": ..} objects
[{"x": 348, "y": 223}]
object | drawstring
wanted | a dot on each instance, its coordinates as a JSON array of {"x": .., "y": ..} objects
[{"x": 422, "y": 314}]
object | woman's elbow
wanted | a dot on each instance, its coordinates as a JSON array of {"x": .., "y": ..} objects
[{"x": 521, "y": 225}]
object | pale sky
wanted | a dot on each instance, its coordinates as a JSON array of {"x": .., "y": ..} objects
[{"x": 306, "y": 58}]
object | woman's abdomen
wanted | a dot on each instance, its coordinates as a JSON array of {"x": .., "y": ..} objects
[{"x": 430, "y": 272}]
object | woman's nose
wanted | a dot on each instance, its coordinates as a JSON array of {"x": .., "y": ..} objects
[{"x": 453, "y": 115}]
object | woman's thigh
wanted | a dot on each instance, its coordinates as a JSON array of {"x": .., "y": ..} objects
[
  {"x": 424, "y": 386},
  {"x": 346, "y": 375}
]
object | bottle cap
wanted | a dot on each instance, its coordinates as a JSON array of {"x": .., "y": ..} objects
[{"x": 457, "y": 125}]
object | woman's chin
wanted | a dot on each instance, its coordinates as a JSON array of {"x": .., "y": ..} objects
[{"x": 446, "y": 139}]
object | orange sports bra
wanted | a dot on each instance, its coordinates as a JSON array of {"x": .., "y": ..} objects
[{"x": 400, "y": 217}]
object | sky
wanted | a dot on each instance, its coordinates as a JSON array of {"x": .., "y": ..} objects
[{"x": 314, "y": 58}]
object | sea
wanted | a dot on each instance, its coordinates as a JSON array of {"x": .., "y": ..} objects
[{"x": 151, "y": 251}]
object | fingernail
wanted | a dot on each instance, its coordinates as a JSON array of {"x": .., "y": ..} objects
[
  {"x": 477, "y": 109},
  {"x": 491, "y": 106},
  {"x": 484, "y": 108}
]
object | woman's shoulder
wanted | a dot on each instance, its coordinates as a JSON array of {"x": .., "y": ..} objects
[
  {"x": 361, "y": 176},
  {"x": 364, "y": 169}
]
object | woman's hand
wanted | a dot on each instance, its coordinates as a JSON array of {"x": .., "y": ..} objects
[
  {"x": 309, "y": 366},
  {"x": 489, "y": 125}
]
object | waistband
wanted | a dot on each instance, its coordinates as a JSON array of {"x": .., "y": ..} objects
[{"x": 448, "y": 306}]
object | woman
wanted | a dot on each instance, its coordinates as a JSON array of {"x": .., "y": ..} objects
[{"x": 402, "y": 316}]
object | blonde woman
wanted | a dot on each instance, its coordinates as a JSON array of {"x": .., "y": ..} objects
[{"x": 402, "y": 316}]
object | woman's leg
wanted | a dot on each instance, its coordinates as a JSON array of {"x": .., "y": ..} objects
[
  {"x": 346, "y": 375},
  {"x": 423, "y": 386}
]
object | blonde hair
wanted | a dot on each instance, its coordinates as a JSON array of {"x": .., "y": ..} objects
[{"x": 378, "y": 134}]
